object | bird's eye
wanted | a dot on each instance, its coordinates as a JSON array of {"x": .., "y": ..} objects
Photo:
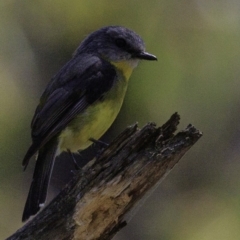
[{"x": 120, "y": 42}]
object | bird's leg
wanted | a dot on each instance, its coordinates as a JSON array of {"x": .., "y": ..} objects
[
  {"x": 102, "y": 145},
  {"x": 98, "y": 142},
  {"x": 74, "y": 160}
]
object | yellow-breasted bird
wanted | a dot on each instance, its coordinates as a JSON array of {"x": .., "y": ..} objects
[{"x": 81, "y": 102}]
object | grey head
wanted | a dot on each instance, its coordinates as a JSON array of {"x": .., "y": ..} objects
[{"x": 115, "y": 43}]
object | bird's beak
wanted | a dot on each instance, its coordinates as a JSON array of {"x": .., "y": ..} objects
[{"x": 145, "y": 56}]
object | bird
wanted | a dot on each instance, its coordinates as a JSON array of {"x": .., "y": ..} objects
[{"x": 80, "y": 103}]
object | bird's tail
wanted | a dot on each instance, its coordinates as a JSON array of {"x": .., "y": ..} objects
[{"x": 41, "y": 177}]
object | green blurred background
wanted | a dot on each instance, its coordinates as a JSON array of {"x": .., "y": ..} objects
[{"x": 197, "y": 74}]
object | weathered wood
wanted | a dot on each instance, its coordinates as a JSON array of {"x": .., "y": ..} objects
[{"x": 94, "y": 204}]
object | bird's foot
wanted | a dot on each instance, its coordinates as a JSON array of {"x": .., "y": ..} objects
[
  {"x": 102, "y": 145},
  {"x": 98, "y": 142},
  {"x": 77, "y": 167}
]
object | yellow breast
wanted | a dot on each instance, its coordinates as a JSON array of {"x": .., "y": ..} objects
[{"x": 93, "y": 122}]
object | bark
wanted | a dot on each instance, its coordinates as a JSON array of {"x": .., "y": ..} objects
[{"x": 95, "y": 203}]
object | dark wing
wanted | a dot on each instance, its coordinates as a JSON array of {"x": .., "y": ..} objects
[{"x": 82, "y": 81}]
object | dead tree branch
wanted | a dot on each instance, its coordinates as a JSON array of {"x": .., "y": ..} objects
[{"x": 94, "y": 204}]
